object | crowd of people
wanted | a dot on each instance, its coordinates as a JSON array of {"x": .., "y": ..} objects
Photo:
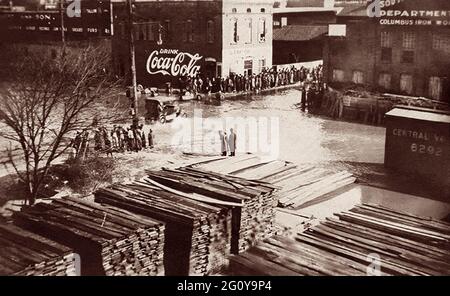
[
  {"x": 269, "y": 78},
  {"x": 134, "y": 139},
  {"x": 118, "y": 139}
]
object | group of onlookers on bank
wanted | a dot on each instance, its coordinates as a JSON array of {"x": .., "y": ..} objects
[
  {"x": 118, "y": 139},
  {"x": 267, "y": 79}
]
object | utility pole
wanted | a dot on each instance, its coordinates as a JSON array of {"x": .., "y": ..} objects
[
  {"x": 133, "y": 92},
  {"x": 61, "y": 12}
]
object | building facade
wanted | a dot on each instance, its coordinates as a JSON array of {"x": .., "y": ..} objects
[
  {"x": 406, "y": 50},
  {"x": 185, "y": 38},
  {"x": 299, "y": 31}
]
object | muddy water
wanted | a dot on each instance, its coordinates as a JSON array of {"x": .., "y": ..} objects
[
  {"x": 301, "y": 138},
  {"x": 298, "y": 137}
]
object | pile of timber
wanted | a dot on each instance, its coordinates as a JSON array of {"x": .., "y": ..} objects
[
  {"x": 299, "y": 185},
  {"x": 109, "y": 241},
  {"x": 252, "y": 203},
  {"x": 196, "y": 233},
  {"x": 28, "y": 254},
  {"x": 367, "y": 240}
]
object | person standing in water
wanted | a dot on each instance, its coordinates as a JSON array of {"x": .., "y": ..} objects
[
  {"x": 232, "y": 142},
  {"x": 223, "y": 142}
]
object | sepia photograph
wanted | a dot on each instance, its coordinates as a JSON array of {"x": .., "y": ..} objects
[{"x": 224, "y": 139}]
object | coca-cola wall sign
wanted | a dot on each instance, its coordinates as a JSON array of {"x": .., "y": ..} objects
[{"x": 173, "y": 62}]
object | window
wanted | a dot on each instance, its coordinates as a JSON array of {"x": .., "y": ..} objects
[
  {"x": 435, "y": 88},
  {"x": 386, "y": 54},
  {"x": 137, "y": 32},
  {"x": 122, "y": 31},
  {"x": 358, "y": 77},
  {"x": 409, "y": 40},
  {"x": 386, "y": 40},
  {"x": 406, "y": 83},
  {"x": 210, "y": 31},
  {"x": 249, "y": 25},
  {"x": 338, "y": 75},
  {"x": 142, "y": 32},
  {"x": 166, "y": 30},
  {"x": 151, "y": 30},
  {"x": 234, "y": 10},
  {"x": 441, "y": 42},
  {"x": 263, "y": 10},
  {"x": 262, "y": 65},
  {"x": 408, "y": 56},
  {"x": 234, "y": 31},
  {"x": 262, "y": 30},
  {"x": 283, "y": 21},
  {"x": 384, "y": 80},
  {"x": 189, "y": 31},
  {"x": 249, "y": 10}
]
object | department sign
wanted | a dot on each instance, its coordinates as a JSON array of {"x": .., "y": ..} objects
[{"x": 414, "y": 12}]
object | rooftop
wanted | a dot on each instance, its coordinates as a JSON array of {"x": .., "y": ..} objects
[{"x": 299, "y": 33}]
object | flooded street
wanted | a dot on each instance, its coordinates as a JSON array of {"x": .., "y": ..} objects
[
  {"x": 303, "y": 138},
  {"x": 300, "y": 137}
]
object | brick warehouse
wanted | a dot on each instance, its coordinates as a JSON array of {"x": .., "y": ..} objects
[
  {"x": 405, "y": 51},
  {"x": 213, "y": 37}
]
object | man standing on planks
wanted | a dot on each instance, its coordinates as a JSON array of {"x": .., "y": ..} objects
[
  {"x": 232, "y": 142},
  {"x": 223, "y": 142}
]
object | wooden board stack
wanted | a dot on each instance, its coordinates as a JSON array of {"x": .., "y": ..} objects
[
  {"x": 109, "y": 241},
  {"x": 252, "y": 202},
  {"x": 299, "y": 186},
  {"x": 25, "y": 253},
  {"x": 366, "y": 240},
  {"x": 196, "y": 233}
]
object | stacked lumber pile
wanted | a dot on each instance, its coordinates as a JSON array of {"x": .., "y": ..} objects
[
  {"x": 25, "y": 253},
  {"x": 299, "y": 185},
  {"x": 196, "y": 233},
  {"x": 109, "y": 241},
  {"x": 251, "y": 202},
  {"x": 366, "y": 240}
]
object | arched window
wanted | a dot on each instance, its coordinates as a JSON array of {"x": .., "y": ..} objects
[
  {"x": 234, "y": 10},
  {"x": 210, "y": 31},
  {"x": 249, "y": 10},
  {"x": 234, "y": 31},
  {"x": 262, "y": 30},
  {"x": 249, "y": 27}
]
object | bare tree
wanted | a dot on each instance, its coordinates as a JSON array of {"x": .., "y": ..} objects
[{"x": 45, "y": 96}]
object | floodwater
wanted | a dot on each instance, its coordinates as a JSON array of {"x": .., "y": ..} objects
[{"x": 271, "y": 126}]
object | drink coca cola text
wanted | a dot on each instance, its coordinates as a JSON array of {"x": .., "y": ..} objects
[{"x": 182, "y": 64}]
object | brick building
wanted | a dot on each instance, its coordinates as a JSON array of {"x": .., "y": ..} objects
[
  {"x": 406, "y": 50},
  {"x": 179, "y": 38},
  {"x": 299, "y": 29},
  {"x": 40, "y": 21}
]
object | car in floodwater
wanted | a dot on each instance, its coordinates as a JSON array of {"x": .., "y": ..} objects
[{"x": 162, "y": 109}]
